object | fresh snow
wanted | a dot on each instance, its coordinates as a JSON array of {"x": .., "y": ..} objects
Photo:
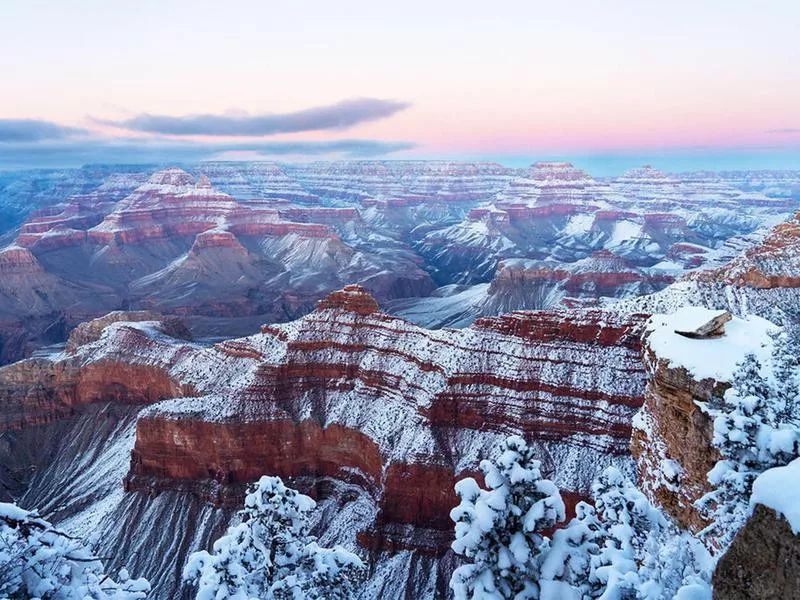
[
  {"x": 779, "y": 489},
  {"x": 624, "y": 231},
  {"x": 710, "y": 358},
  {"x": 693, "y": 317},
  {"x": 667, "y": 266},
  {"x": 579, "y": 224}
]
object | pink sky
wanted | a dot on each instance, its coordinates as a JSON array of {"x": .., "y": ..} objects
[{"x": 492, "y": 78}]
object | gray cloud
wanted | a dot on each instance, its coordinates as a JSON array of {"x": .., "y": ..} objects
[
  {"x": 785, "y": 130},
  {"x": 72, "y": 153},
  {"x": 34, "y": 130},
  {"x": 341, "y": 115}
]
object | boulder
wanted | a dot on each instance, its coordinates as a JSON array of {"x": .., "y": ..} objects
[{"x": 763, "y": 562}]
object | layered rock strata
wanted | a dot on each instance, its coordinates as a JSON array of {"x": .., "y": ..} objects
[{"x": 375, "y": 417}]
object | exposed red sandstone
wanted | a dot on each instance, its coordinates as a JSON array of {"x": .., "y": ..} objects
[
  {"x": 37, "y": 391},
  {"x": 240, "y": 452},
  {"x": 216, "y": 239},
  {"x": 17, "y": 260},
  {"x": 417, "y": 494},
  {"x": 603, "y": 328},
  {"x": 90, "y": 331},
  {"x": 601, "y": 274},
  {"x": 352, "y": 298}
]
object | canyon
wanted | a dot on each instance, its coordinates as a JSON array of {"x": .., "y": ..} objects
[
  {"x": 147, "y": 422},
  {"x": 226, "y": 246},
  {"x": 374, "y": 416}
]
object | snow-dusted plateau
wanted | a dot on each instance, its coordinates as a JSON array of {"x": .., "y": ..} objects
[{"x": 492, "y": 382}]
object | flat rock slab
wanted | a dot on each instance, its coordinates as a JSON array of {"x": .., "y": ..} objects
[{"x": 703, "y": 323}]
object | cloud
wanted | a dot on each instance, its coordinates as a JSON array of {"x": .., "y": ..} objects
[
  {"x": 73, "y": 153},
  {"x": 785, "y": 130},
  {"x": 34, "y": 130},
  {"x": 341, "y": 115}
]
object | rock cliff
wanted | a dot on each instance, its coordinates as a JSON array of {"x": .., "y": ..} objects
[{"x": 375, "y": 417}]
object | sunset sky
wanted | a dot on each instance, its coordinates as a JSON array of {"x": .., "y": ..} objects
[{"x": 681, "y": 84}]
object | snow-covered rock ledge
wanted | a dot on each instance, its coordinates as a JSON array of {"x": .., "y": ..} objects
[
  {"x": 672, "y": 438},
  {"x": 708, "y": 357}
]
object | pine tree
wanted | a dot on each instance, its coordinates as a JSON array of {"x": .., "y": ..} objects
[
  {"x": 566, "y": 571},
  {"x": 38, "y": 560},
  {"x": 628, "y": 521},
  {"x": 755, "y": 428},
  {"x": 271, "y": 556},
  {"x": 499, "y": 529}
]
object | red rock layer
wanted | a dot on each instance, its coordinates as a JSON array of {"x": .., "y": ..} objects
[
  {"x": 37, "y": 391},
  {"x": 309, "y": 230},
  {"x": 358, "y": 396},
  {"x": 775, "y": 263},
  {"x": 241, "y": 452},
  {"x": 16, "y": 261},
  {"x": 602, "y": 274},
  {"x": 593, "y": 327},
  {"x": 352, "y": 298}
]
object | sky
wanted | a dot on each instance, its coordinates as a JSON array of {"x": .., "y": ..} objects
[{"x": 706, "y": 84}]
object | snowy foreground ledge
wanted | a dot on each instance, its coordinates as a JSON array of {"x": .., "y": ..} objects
[
  {"x": 779, "y": 489},
  {"x": 713, "y": 357}
]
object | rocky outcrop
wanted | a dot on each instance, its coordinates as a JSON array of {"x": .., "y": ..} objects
[
  {"x": 774, "y": 263},
  {"x": 353, "y": 406},
  {"x": 91, "y": 331},
  {"x": 39, "y": 390},
  {"x": 602, "y": 275},
  {"x": 762, "y": 562},
  {"x": 231, "y": 453},
  {"x": 353, "y": 299},
  {"x": 671, "y": 441},
  {"x": 672, "y": 433},
  {"x": 376, "y": 388}
]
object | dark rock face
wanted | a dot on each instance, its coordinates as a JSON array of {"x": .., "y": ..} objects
[{"x": 762, "y": 563}]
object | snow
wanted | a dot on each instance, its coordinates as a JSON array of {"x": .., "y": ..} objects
[
  {"x": 667, "y": 266},
  {"x": 271, "y": 555},
  {"x": 710, "y": 358},
  {"x": 38, "y": 560},
  {"x": 579, "y": 224},
  {"x": 699, "y": 590},
  {"x": 692, "y": 318},
  {"x": 12, "y": 512},
  {"x": 498, "y": 528},
  {"x": 624, "y": 231},
  {"x": 779, "y": 489}
]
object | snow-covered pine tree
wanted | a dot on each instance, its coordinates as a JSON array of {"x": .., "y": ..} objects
[
  {"x": 622, "y": 549},
  {"x": 756, "y": 427},
  {"x": 628, "y": 521},
  {"x": 38, "y": 560},
  {"x": 786, "y": 374},
  {"x": 271, "y": 556},
  {"x": 566, "y": 571},
  {"x": 499, "y": 529}
]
